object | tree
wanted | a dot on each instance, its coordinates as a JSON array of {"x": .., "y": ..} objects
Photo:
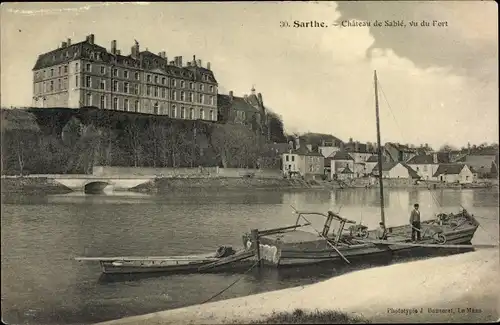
[{"x": 447, "y": 148}]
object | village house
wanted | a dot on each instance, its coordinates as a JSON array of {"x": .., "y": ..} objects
[
  {"x": 399, "y": 153},
  {"x": 454, "y": 173},
  {"x": 396, "y": 170},
  {"x": 360, "y": 152},
  {"x": 303, "y": 163},
  {"x": 328, "y": 149},
  {"x": 338, "y": 162},
  {"x": 485, "y": 164},
  {"x": 427, "y": 165}
]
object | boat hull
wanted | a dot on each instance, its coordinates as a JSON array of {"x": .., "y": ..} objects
[{"x": 125, "y": 267}]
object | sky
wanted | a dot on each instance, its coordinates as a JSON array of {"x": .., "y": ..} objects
[{"x": 437, "y": 84}]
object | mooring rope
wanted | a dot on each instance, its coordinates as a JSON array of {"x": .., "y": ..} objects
[{"x": 229, "y": 286}]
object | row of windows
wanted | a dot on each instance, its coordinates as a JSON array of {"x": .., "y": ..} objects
[
  {"x": 53, "y": 72},
  {"x": 134, "y": 105},
  {"x": 150, "y": 90},
  {"x": 149, "y": 78},
  {"x": 289, "y": 158},
  {"x": 51, "y": 86}
]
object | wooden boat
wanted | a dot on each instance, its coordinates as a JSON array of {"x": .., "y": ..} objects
[{"x": 164, "y": 264}]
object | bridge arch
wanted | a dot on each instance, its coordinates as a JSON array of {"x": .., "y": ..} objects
[{"x": 95, "y": 187}]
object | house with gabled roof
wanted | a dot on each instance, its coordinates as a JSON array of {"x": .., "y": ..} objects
[
  {"x": 398, "y": 152},
  {"x": 304, "y": 163},
  {"x": 395, "y": 170},
  {"x": 339, "y": 161},
  {"x": 426, "y": 165},
  {"x": 454, "y": 173},
  {"x": 485, "y": 164},
  {"x": 345, "y": 174}
]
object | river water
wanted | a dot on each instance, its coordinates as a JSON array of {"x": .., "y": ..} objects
[{"x": 42, "y": 284}]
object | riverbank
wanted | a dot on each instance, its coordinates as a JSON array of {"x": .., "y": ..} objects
[
  {"x": 457, "y": 288},
  {"x": 45, "y": 184}
]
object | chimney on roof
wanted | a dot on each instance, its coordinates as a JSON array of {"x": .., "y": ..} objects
[
  {"x": 180, "y": 61},
  {"x": 113, "y": 47},
  {"x": 356, "y": 146},
  {"x": 64, "y": 44},
  {"x": 259, "y": 96},
  {"x": 208, "y": 65},
  {"x": 118, "y": 52},
  {"x": 198, "y": 62},
  {"x": 297, "y": 142},
  {"x": 68, "y": 42},
  {"x": 231, "y": 95},
  {"x": 91, "y": 38},
  {"x": 194, "y": 60},
  {"x": 435, "y": 158},
  {"x": 163, "y": 54},
  {"x": 171, "y": 63},
  {"x": 188, "y": 64}
]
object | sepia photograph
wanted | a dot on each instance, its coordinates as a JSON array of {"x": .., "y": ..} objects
[{"x": 249, "y": 162}]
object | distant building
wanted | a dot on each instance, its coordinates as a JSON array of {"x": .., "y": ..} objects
[
  {"x": 399, "y": 153},
  {"x": 247, "y": 110},
  {"x": 303, "y": 163},
  {"x": 427, "y": 165},
  {"x": 338, "y": 163},
  {"x": 484, "y": 164},
  {"x": 87, "y": 74},
  {"x": 454, "y": 173},
  {"x": 396, "y": 170}
]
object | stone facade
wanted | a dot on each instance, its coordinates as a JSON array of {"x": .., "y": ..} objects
[{"x": 87, "y": 74}]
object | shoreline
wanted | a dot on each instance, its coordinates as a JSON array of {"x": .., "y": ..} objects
[
  {"x": 435, "y": 290},
  {"x": 46, "y": 184}
]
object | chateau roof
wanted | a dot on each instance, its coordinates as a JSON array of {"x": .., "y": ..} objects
[{"x": 145, "y": 60}]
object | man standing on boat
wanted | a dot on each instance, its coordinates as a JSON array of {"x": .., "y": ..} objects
[
  {"x": 415, "y": 222},
  {"x": 381, "y": 231}
]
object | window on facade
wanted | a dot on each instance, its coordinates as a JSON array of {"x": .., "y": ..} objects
[
  {"x": 76, "y": 81},
  {"x": 183, "y": 96},
  {"x": 183, "y": 84},
  {"x": 148, "y": 78},
  {"x": 212, "y": 117},
  {"x": 103, "y": 70},
  {"x": 89, "y": 99},
  {"x": 76, "y": 67},
  {"x": 156, "y": 79},
  {"x": 191, "y": 85},
  {"x": 156, "y": 91},
  {"x": 51, "y": 72},
  {"x": 88, "y": 67},
  {"x": 202, "y": 87},
  {"x": 103, "y": 102},
  {"x": 127, "y": 88},
  {"x": 65, "y": 69},
  {"x": 115, "y": 103},
  {"x": 163, "y": 80},
  {"x": 182, "y": 112},
  {"x": 174, "y": 111},
  {"x": 201, "y": 98},
  {"x": 137, "y": 76},
  {"x": 125, "y": 104},
  {"x": 293, "y": 158},
  {"x": 102, "y": 84},
  {"x": 148, "y": 90},
  {"x": 286, "y": 157},
  {"x": 65, "y": 84},
  {"x": 172, "y": 82},
  {"x": 51, "y": 85},
  {"x": 163, "y": 92},
  {"x": 115, "y": 72},
  {"x": 136, "y": 89},
  {"x": 115, "y": 85},
  {"x": 202, "y": 114},
  {"x": 212, "y": 102},
  {"x": 136, "y": 106},
  {"x": 155, "y": 107},
  {"x": 190, "y": 97},
  {"x": 191, "y": 113},
  {"x": 125, "y": 74},
  {"x": 211, "y": 89},
  {"x": 60, "y": 70},
  {"x": 173, "y": 95}
]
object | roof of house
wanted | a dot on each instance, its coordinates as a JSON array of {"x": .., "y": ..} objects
[
  {"x": 358, "y": 147},
  {"x": 346, "y": 170},
  {"x": 401, "y": 147},
  {"x": 386, "y": 166},
  {"x": 429, "y": 159},
  {"x": 304, "y": 151},
  {"x": 372, "y": 158},
  {"x": 341, "y": 155},
  {"x": 411, "y": 171},
  {"x": 450, "y": 169}
]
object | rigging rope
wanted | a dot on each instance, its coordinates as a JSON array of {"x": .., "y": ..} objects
[{"x": 237, "y": 280}]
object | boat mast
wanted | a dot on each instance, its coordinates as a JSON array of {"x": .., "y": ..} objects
[{"x": 379, "y": 152}]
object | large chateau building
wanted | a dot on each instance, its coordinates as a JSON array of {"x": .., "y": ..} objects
[{"x": 87, "y": 74}]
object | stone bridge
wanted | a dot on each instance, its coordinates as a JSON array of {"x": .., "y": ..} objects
[{"x": 96, "y": 184}]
